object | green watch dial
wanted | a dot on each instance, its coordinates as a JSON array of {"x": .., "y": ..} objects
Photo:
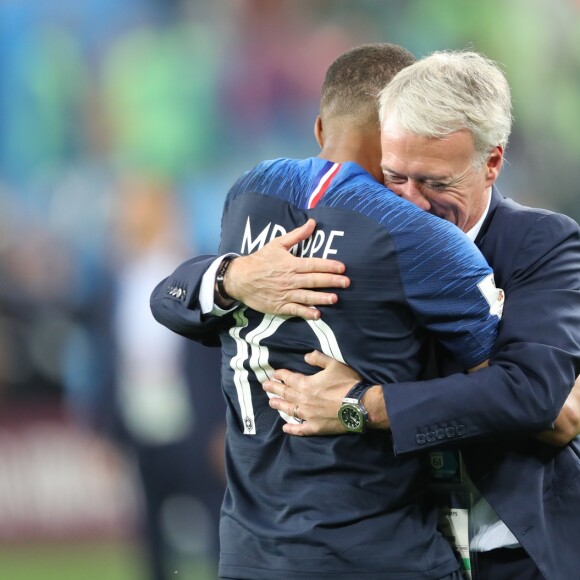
[{"x": 351, "y": 418}]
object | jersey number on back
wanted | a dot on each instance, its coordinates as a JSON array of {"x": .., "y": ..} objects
[{"x": 251, "y": 350}]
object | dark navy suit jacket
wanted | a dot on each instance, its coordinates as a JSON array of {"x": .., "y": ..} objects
[{"x": 534, "y": 487}]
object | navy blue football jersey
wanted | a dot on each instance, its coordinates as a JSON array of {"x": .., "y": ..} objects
[{"x": 341, "y": 506}]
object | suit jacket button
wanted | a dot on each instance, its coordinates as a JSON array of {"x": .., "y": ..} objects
[
  {"x": 431, "y": 436},
  {"x": 450, "y": 432},
  {"x": 440, "y": 433},
  {"x": 420, "y": 439},
  {"x": 460, "y": 430}
]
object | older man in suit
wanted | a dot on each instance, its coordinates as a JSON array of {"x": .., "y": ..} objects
[
  {"x": 444, "y": 126},
  {"x": 445, "y": 122}
]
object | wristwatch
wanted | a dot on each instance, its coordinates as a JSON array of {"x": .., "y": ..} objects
[{"x": 352, "y": 413}]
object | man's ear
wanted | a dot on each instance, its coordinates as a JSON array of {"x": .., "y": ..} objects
[
  {"x": 318, "y": 131},
  {"x": 493, "y": 165}
]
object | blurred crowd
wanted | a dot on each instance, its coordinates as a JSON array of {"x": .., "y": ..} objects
[{"x": 122, "y": 125}]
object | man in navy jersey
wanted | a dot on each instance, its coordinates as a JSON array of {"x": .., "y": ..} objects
[{"x": 336, "y": 506}]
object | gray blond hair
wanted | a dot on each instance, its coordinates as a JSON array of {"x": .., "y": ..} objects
[{"x": 449, "y": 91}]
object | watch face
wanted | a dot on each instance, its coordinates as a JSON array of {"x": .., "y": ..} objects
[{"x": 351, "y": 418}]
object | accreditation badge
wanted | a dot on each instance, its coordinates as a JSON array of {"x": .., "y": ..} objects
[
  {"x": 454, "y": 499},
  {"x": 446, "y": 466},
  {"x": 454, "y": 525}
]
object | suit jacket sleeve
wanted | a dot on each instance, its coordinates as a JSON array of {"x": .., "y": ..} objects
[
  {"x": 537, "y": 354},
  {"x": 175, "y": 303}
]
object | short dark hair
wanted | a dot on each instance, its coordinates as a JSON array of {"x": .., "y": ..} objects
[{"x": 355, "y": 79}]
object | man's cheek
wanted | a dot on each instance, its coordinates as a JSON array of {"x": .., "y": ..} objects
[{"x": 438, "y": 212}]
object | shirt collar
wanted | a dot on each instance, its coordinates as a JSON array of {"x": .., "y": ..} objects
[{"x": 472, "y": 233}]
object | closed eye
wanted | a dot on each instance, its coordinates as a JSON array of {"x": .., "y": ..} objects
[
  {"x": 394, "y": 179},
  {"x": 437, "y": 185}
]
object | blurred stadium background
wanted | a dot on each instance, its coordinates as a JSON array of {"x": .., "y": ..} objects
[{"x": 122, "y": 125}]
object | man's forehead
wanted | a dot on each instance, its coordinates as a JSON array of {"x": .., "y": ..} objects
[
  {"x": 433, "y": 156},
  {"x": 416, "y": 163}
]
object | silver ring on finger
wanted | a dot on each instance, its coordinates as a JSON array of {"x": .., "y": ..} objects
[{"x": 295, "y": 416}]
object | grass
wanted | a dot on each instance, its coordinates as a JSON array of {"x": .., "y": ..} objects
[
  {"x": 85, "y": 561},
  {"x": 70, "y": 561}
]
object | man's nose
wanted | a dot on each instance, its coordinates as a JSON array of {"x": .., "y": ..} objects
[{"x": 411, "y": 191}]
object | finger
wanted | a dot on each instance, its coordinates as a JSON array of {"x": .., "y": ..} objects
[
  {"x": 303, "y": 303},
  {"x": 288, "y": 377},
  {"x": 318, "y": 359},
  {"x": 297, "y": 235},
  {"x": 306, "y": 312},
  {"x": 282, "y": 405},
  {"x": 277, "y": 388},
  {"x": 321, "y": 266},
  {"x": 290, "y": 410},
  {"x": 303, "y": 278},
  {"x": 299, "y": 429},
  {"x": 551, "y": 438}
]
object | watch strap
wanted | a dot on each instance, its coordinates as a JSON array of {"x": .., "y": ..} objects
[
  {"x": 358, "y": 391},
  {"x": 223, "y": 268}
]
